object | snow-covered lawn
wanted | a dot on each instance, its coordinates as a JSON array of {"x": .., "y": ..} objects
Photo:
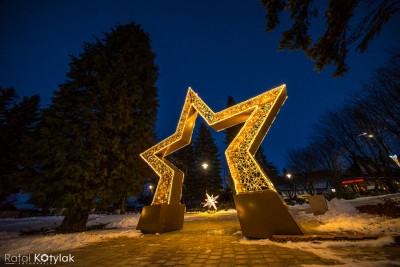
[
  {"x": 11, "y": 242},
  {"x": 342, "y": 218}
]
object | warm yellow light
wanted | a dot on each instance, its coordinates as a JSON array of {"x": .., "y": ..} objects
[
  {"x": 205, "y": 166},
  {"x": 289, "y": 175},
  {"x": 257, "y": 114}
]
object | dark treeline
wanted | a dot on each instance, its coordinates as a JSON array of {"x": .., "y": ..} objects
[
  {"x": 365, "y": 131},
  {"x": 82, "y": 151},
  {"x": 18, "y": 122}
]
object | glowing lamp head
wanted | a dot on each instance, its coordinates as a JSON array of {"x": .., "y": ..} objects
[
  {"x": 289, "y": 175},
  {"x": 205, "y": 166}
]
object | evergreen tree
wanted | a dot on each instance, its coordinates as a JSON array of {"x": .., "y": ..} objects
[
  {"x": 185, "y": 160},
  {"x": 268, "y": 167},
  {"x": 17, "y": 123},
  {"x": 206, "y": 151},
  {"x": 99, "y": 121},
  {"x": 347, "y": 23}
]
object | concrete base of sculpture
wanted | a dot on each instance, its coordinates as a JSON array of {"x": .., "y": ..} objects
[
  {"x": 161, "y": 218},
  {"x": 318, "y": 204},
  {"x": 263, "y": 214}
]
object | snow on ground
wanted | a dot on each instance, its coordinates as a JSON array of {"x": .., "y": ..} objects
[
  {"x": 201, "y": 216},
  {"x": 342, "y": 218},
  {"x": 372, "y": 200},
  {"x": 60, "y": 242},
  {"x": 12, "y": 243},
  {"x": 343, "y": 251}
]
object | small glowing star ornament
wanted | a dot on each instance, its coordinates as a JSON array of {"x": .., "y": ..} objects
[{"x": 211, "y": 201}]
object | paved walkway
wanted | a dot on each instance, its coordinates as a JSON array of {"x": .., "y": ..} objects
[
  {"x": 211, "y": 241},
  {"x": 208, "y": 240}
]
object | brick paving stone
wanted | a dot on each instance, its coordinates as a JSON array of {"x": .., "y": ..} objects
[
  {"x": 171, "y": 263},
  {"x": 242, "y": 256},
  {"x": 229, "y": 260},
  {"x": 278, "y": 265}
]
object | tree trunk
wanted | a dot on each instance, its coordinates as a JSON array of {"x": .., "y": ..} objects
[
  {"x": 122, "y": 205},
  {"x": 75, "y": 220},
  {"x": 392, "y": 187}
]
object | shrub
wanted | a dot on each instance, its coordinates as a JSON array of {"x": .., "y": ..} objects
[{"x": 389, "y": 208}]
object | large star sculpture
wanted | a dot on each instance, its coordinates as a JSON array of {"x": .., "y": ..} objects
[{"x": 257, "y": 113}]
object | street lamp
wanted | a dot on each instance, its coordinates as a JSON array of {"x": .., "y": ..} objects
[
  {"x": 205, "y": 166},
  {"x": 395, "y": 159},
  {"x": 289, "y": 175}
]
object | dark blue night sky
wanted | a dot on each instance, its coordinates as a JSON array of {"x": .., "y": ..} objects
[{"x": 219, "y": 48}]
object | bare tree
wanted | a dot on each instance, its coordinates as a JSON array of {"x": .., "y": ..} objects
[
  {"x": 304, "y": 165},
  {"x": 330, "y": 159},
  {"x": 365, "y": 131}
]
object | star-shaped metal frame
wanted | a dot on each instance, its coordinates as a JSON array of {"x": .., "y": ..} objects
[{"x": 258, "y": 113}]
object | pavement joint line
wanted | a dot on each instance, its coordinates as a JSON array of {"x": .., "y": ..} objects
[{"x": 307, "y": 238}]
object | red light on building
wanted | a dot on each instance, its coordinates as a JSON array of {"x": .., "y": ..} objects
[{"x": 359, "y": 180}]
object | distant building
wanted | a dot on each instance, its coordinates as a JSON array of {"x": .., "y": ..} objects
[{"x": 364, "y": 179}]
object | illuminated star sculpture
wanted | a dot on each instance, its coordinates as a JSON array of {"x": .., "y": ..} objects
[
  {"x": 257, "y": 113},
  {"x": 211, "y": 201},
  {"x": 256, "y": 197}
]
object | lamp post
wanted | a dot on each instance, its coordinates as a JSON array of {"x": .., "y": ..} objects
[
  {"x": 205, "y": 166},
  {"x": 391, "y": 155},
  {"x": 292, "y": 187},
  {"x": 395, "y": 159}
]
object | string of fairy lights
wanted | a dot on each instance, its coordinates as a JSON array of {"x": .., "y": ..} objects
[{"x": 257, "y": 114}]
